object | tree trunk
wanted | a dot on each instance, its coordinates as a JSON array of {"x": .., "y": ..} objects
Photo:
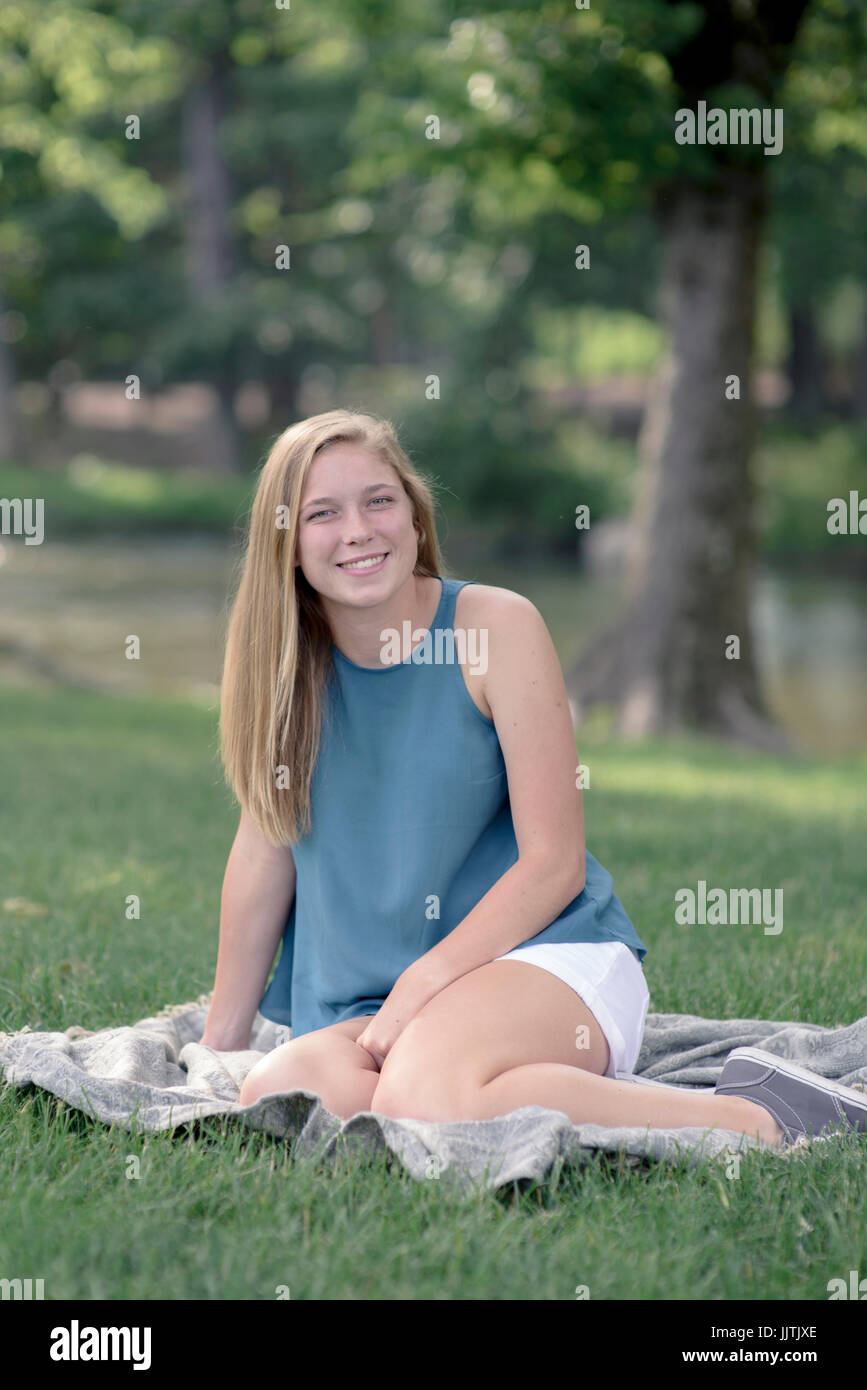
[
  {"x": 383, "y": 336},
  {"x": 859, "y": 398},
  {"x": 664, "y": 667},
  {"x": 805, "y": 365},
  {"x": 283, "y": 390},
  {"x": 210, "y": 250},
  {"x": 10, "y": 436}
]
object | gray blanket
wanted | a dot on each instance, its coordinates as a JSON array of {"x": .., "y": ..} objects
[{"x": 156, "y": 1075}]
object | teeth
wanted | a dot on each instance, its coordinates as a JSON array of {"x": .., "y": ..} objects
[{"x": 362, "y": 564}]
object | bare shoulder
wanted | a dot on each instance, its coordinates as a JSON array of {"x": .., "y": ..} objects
[
  {"x": 498, "y": 614},
  {"x": 501, "y": 611},
  {"x": 516, "y": 642}
]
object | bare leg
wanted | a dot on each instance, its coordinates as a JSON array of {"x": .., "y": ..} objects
[
  {"x": 601, "y": 1100},
  {"x": 327, "y": 1062}
]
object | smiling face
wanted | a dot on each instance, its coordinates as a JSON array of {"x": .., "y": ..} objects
[{"x": 354, "y": 506}]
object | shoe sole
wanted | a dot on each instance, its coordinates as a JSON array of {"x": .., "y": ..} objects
[{"x": 819, "y": 1083}]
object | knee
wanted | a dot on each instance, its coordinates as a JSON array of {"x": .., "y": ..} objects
[
  {"x": 256, "y": 1083},
  {"x": 288, "y": 1068},
  {"x": 397, "y": 1102},
  {"x": 412, "y": 1086},
  {"x": 251, "y": 1088}
]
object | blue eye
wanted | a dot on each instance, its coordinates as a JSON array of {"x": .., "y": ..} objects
[{"x": 383, "y": 498}]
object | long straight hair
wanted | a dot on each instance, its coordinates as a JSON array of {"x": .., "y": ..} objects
[{"x": 278, "y": 643}]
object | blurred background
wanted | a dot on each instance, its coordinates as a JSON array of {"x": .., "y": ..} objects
[
  {"x": 476, "y": 220},
  {"x": 216, "y": 219}
]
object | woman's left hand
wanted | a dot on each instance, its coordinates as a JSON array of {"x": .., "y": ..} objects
[{"x": 412, "y": 990}]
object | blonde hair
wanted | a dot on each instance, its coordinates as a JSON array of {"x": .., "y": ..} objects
[{"x": 278, "y": 642}]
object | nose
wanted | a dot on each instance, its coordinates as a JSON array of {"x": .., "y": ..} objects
[{"x": 357, "y": 528}]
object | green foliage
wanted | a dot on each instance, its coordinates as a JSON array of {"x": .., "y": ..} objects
[
  {"x": 555, "y": 124},
  {"x": 797, "y": 475},
  {"x": 492, "y": 463},
  {"x": 592, "y": 342},
  {"x": 93, "y": 495},
  {"x": 452, "y": 255}
]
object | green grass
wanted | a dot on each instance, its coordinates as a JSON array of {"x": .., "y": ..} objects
[{"x": 104, "y": 797}]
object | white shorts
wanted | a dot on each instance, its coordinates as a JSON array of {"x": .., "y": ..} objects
[{"x": 607, "y": 976}]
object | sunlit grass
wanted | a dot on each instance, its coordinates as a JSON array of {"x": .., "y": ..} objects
[{"x": 103, "y": 797}]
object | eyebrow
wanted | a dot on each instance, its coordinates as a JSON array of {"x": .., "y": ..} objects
[{"x": 374, "y": 487}]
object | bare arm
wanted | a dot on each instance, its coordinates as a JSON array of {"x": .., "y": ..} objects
[
  {"x": 258, "y": 889},
  {"x": 526, "y": 692}
]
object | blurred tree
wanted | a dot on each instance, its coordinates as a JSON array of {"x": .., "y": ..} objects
[
  {"x": 666, "y": 663},
  {"x": 61, "y": 184},
  {"x": 211, "y": 256},
  {"x": 9, "y": 433},
  {"x": 311, "y": 128},
  {"x": 820, "y": 198},
  {"x": 202, "y": 34},
  {"x": 157, "y": 255},
  {"x": 544, "y": 115}
]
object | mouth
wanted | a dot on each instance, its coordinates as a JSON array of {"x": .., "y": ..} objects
[{"x": 365, "y": 563}]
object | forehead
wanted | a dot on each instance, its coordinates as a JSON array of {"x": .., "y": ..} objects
[{"x": 346, "y": 467}]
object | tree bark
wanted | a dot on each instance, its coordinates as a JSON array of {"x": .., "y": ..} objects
[
  {"x": 859, "y": 398},
  {"x": 664, "y": 666},
  {"x": 805, "y": 365},
  {"x": 383, "y": 336},
  {"x": 10, "y": 433},
  {"x": 211, "y": 260}
]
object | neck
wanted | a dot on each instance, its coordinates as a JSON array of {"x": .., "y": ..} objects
[{"x": 357, "y": 632}]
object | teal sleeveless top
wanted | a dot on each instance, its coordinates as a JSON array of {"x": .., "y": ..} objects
[{"x": 410, "y": 827}]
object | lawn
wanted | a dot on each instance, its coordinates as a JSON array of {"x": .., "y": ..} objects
[{"x": 101, "y": 798}]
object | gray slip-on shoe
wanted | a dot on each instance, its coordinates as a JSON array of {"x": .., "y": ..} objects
[{"x": 804, "y": 1104}]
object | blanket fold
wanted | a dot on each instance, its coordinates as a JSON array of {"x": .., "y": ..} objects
[{"x": 157, "y": 1075}]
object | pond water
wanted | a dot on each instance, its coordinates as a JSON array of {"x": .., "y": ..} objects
[{"x": 67, "y": 608}]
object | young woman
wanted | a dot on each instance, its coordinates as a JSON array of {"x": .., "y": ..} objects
[{"x": 401, "y": 745}]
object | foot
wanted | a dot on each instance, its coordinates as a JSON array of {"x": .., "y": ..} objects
[{"x": 802, "y": 1103}]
